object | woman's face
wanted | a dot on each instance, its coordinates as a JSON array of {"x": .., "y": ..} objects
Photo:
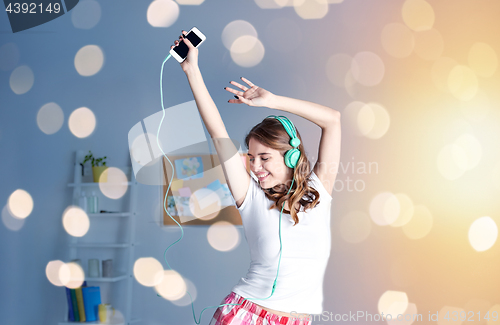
[{"x": 268, "y": 165}]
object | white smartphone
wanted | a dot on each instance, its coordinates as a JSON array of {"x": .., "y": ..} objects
[{"x": 181, "y": 50}]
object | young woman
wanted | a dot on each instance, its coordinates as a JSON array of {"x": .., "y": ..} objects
[{"x": 293, "y": 244}]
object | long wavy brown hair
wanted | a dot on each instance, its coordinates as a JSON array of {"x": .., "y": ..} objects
[{"x": 271, "y": 133}]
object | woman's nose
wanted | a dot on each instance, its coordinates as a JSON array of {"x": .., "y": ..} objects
[{"x": 256, "y": 167}]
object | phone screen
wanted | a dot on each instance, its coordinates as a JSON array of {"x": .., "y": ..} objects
[{"x": 182, "y": 48}]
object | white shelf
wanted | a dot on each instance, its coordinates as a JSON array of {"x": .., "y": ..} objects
[
  {"x": 134, "y": 320},
  {"x": 101, "y": 279},
  {"x": 73, "y": 323},
  {"x": 97, "y": 184},
  {"x": 110, "y": 214},
  {"x": 128, "y": 213},
  {"x": 103, "y": 245}
]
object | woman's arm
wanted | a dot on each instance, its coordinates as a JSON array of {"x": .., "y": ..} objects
[
  {"x": 237, "y": 177},
  {"x": 328, "y": 119},
  {"x": 206, "y": 106},
  {"x": 318, "y": 114},
  {"x": 327, "y": 164}
]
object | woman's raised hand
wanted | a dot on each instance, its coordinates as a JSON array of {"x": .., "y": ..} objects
[
  {"x": 253, "y": 96},
  {"x": 191, "y": 60}
]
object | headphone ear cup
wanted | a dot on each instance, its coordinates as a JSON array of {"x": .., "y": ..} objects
[{"x": 292, "y": 157}]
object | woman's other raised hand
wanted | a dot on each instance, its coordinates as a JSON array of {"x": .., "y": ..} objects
[{"x": 253, "y": 96}]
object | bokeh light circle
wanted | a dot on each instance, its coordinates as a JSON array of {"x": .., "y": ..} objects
[
  {"x": 82, "y": 122},
  {"x": 75, "y": 221},
  {"x": 186, "y": 299},
  {"x": 172, "y": 287},
  {"x": 373, "y": 121},
  {"x": 223, "y": 236},
  {"x": 21, "y": 79},
  {"x": 418, "y": 14},
  {"x": 311, "y": 9},
  {"x": 405, "y": 211},
  {"x": 236, "y": 29},
  {"x": 50, "y": 118},
  {"x": 53, "y": 272},
  {"x": 397, "y": 40},
  {"x": 408, "y": 317},
  {"x": 483, "y": 59},
  {"x": 89, "y": 60},
  {"x": 245, "y": 56},
  {"x": 163, "y": 13},
  {"x": 384, "y": 208},
  {"x": 86, "y": 15},
  {"x": 116, "y": 184},
  {"x": 148, "y": 271},
  {"x": 462, "y": 82},
  {"x": 10, "y": 221},
  {"x": 483, "y": 233},
  {"x": 367, "y": 68},
  {"x": 393, "y": 302},
  {"x": 20, "y": 203},
  {"x": 205, "y": 204},
  {"x": 73, "y": 276}
]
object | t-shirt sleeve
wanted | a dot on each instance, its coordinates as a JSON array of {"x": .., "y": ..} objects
[
  {"x": 252, "y": 190},
  {"x": 320, "y": 188}
]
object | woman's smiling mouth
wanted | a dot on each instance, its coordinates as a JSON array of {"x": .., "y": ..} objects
[{"x": 264, "y": 176}]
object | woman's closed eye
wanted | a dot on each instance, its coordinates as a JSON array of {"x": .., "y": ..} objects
[{"x": 264, "y": 159}]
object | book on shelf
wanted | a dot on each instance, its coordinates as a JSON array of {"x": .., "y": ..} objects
[
  {"x": 74, "y": 305},
  {"x": 71, "y": 315},
  {"x": 79, "y": 302},
  {"x": 92, "y": 300},
  {"x": 83, "y": 303}
]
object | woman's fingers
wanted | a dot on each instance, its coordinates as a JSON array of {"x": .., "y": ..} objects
[
  {"x": 247, "y": 81},
  {"x": 238, "y": 85},
  {"x": 236, "y": 92},
  {"x": 181, "y": 38},
  {"x": 187, "y": 42}
]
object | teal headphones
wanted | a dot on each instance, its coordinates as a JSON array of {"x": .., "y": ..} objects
[
  {"x": 291, "y": 156},
  {"x": 291, "y": 159}
]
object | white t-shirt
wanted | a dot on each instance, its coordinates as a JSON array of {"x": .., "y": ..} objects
[{"x": 305, "y": 252}]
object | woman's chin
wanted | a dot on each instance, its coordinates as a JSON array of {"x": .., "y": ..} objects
[{"x": 265, "y": 184}]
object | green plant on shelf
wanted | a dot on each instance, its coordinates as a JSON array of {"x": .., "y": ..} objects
[{"x": 95, "y": 161}]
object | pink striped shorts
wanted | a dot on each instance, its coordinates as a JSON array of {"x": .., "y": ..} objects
[{"x": 249, "y": 313}]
